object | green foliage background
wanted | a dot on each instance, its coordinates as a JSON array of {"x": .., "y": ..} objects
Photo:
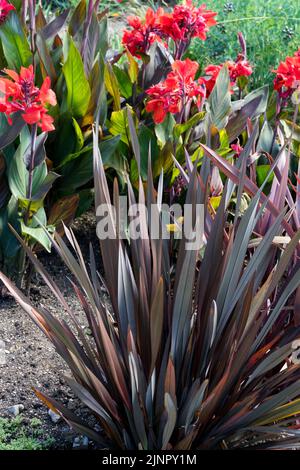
[
  {"x": 265, "y": 25},
  {"x": 62, "y": 4}
]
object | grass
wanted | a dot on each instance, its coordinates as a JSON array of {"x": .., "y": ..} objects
[
  {"x": 15, "y": 435},
  {"x": 271, "y": 29}
]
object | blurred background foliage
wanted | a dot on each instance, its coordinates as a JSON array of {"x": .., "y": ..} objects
[{"x": 271, "y": 29}]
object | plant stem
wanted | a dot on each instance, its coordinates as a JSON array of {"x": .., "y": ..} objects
[
  {"x": 21, "y": 263},
  {"x": 32, "y": 27},
  {"x": 143, "y": 76},
  {"x": 24, "y": 10}
]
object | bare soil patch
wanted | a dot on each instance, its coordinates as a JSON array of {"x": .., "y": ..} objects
[{"x": 31, "y": 361}]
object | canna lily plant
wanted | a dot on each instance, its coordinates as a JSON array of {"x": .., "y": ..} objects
[
  {"x": 23, "y": 103},
  {"x": 50, "y": 86},
  {"x": 191, "y": 349}
]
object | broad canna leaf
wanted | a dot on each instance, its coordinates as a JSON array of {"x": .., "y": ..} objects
[
  {"x": 46, "y": 61},
  {"x": 32, "y": 161},
  {"x": 92, "y": 43},
  {"x": 78, "y": 88},
  {"x": 54, "y": 27},
  {"x": 63, "y": 211},
  {"x": 14, "y": 42},
  {"x": 17, "y": 172},
  {"x": 220, "y": 101},
  {"x": 8, "y": 133},
  {"x": 112, "y": 86},
  {"x": 252, "y": 106},
  {"x": 77, "y": 18}
]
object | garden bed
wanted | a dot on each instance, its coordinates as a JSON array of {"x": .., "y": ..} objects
[
  {"x": 190, "y": 337},
  {"x": 31, "y": 360}
]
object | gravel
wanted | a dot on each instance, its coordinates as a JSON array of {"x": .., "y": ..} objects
[{"x": 28, "y": 360}]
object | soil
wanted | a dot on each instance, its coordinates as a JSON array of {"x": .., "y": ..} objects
[{"x": 31, "y": 360}]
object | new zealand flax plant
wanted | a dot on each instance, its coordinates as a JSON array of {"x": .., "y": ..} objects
[{"x": 195, "y": 349}]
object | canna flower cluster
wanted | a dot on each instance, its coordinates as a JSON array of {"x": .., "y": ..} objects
[
  {"x": 176, "y": 92},
  {"x": 240, "y": 68},
  {"x": 187, "y": 22},
  {"x": 237, "y": 148},
  {"x": 5, "y": 8},
  {"x": 143, "y": 33},
  {"x": 287, "y": 78},
  {"x": 181, "y": 25},
  {"x": 19, "y": 94}
]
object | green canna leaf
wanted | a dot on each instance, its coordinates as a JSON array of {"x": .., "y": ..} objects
[
  {"x": 78, "y": 88},
  {"x": 14, "y": 42}
]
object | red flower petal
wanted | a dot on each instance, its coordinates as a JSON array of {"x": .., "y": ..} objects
[{"x": 32, "y": 116}]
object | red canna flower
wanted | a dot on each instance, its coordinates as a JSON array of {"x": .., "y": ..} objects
[
  {"x": 239, "y": 68},
  {"x": 186, "y": 22},
  {"x": 176, "y": 92},
  {"x": 143, "y": 33},
  {"x": 5, "y": 8},
  {"x": 19, "y": 93},
  {"x": 288, "y": 75},
  {"x": 162, "y": 101},
  {"x": 212, "y": 71},
  {"x": 237, "y": 148},
  {"x": 184, "y": 74}
]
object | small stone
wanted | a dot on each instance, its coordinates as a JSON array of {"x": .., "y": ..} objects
[
  {"x": 55, "y": 418},
  {"x": 97, "y": 428},
  {"x": 37, "y": 405},
  {"x": 2, "y": 353},
  {"x": 71, "y": 405},
  {"x": 15, "y": 410},
  {"x": 81, "y": 443}
]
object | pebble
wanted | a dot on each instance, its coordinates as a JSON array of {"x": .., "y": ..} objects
[
  {"x": 71, "y": 405},
  {"x": 15, "y": 410},
  {"x": 81, "y": 443},
  {"x": 2, "y": 354},
  {"x": 97, "y": 428},
  {"x": 37, "y": 405},
  {"x": 55, "y": 418}
]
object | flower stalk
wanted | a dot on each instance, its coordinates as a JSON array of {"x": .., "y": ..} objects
[
  {"x": 24, "y": 11},
  {"x": 32, "y": 29}
]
